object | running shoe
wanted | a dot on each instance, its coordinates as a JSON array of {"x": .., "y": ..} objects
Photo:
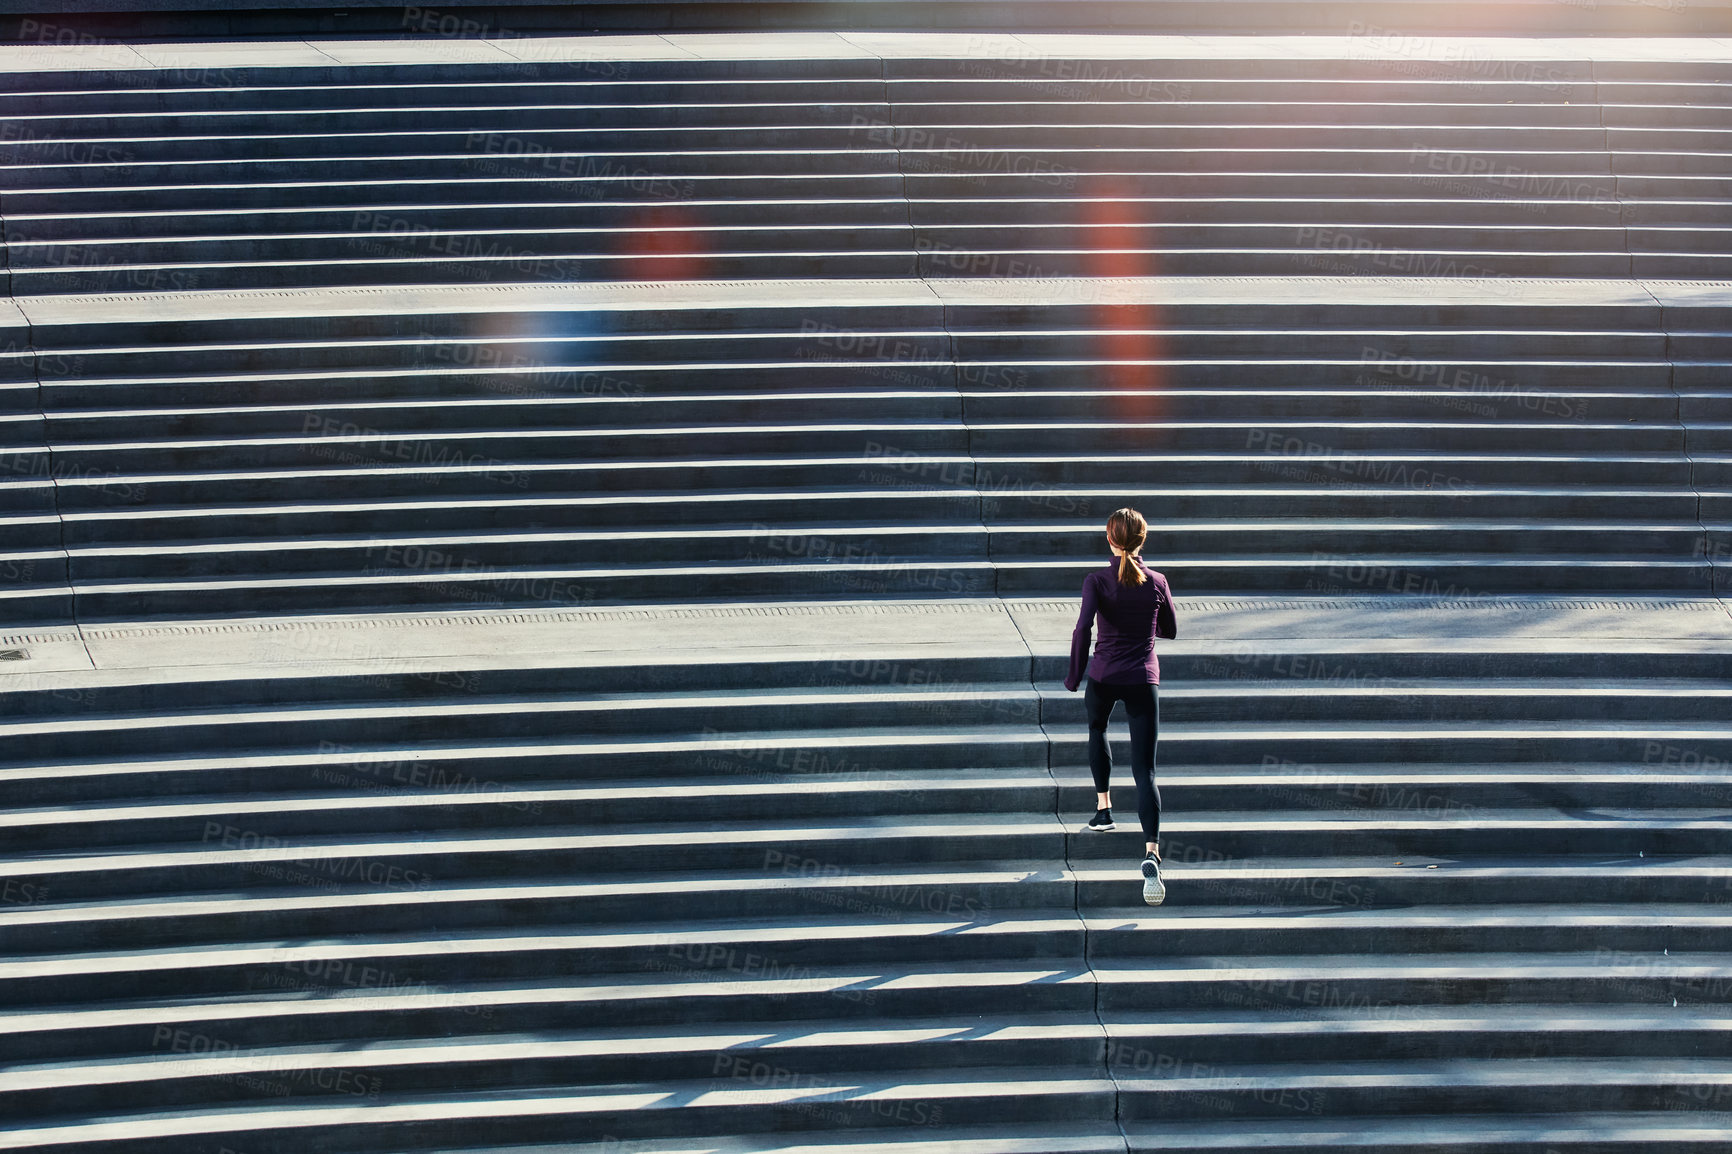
[
  {"x": 1101, "y": 821},
  {"x": 1154, "y": 891}
]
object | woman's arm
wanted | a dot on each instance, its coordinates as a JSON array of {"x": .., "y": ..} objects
[
  {"x": 1081, "y": 636},
  {"x": 1166, "y": 622}
]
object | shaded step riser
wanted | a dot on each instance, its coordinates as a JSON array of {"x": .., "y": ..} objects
[
  {"x": 50, "y": 606},
  {"x": 424, "y": 1011},
  {"x": 627, "y": 396},
  {"x": 1388, "y": 998},
  {"x": 1552, "y": 328},
  {"x": 410, "y": 869},
  {"x": 511, "y": 180},
  {"x": 544, "y": 117},
  {"x": 1176, "y": 92},
  {"x": 885, "y": 468},
  {"x": 1311, "y": 260},
  {"x": 1563, "y": 79},
  {"x": 1330, "y": 706},
  {"x": 864, "y": 787},
  {"x": 1297, "y": 790},
  {"x": 1438, "y": 85},
  {"x": 713, "y": 729},
  {"x": 299, "y": 967},
  {"x": 893, "y": 900},
  {"x": 1558, "y": 1138},
  {"x": 366, "y": 236},
  {"x": 1492, "y": 193},
  {"x": 1314, "y": 891},
  {"x": 1302, "y": 409},
  {"x": 1315, "y": 788},
  {"x": 460, "y": 269},
  {"x": 909, "y": 900},
  {"x": 1405, "y": 1037},
  {"x": 458, "y": 160},
  {"x": 1571, "y": 142},
  {"x": 827, "y": 511},
  {"x": 1021, "y": 797},
  {"x": 1586, "y": 205},
  {"x": 1133, "y": 1049},
  {"x": 748, "y": 757},
  {"x": 503, "y": 450},
  {"x": 22, "y": 499},
  {"x": 891, "y": 447},
  {"x": 814, "y": 261},
  {"x": 1437, "y": 831},
  {"x": 1124, "y": 360},
  {"x": 167, "y": 91},
  {"x": 1534, "y": 153},
  {"x": 1470, "y": 542},
  {"x": 912, "y": 672},
  {"x": 1220, "y": 1096},
  {"x": 414, "y": 870},
  {"x": 832, "y": 1106},
  {"x": 900, "y": 577},
  {"x": 1421, "y": 575},
  {"x": 464, "y": 561},
  {"x": 882, "y": 264},
  {"x": 842, "y": 509},
  {"x": 310, "y": 1082},
  {"x": 1616, "y": 745},
  {"x": 1337, "y": 693},
  {"x": 1244, "y": 666}
]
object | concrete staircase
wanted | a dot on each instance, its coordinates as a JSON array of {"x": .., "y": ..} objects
[
  {"x": 953, "y": 164},
  {"x": 575, "y": 665},
  {"x": 452, "y": 903},
  {"x": 748, "y": 445},
  {"x": 1391, "y": 388}
]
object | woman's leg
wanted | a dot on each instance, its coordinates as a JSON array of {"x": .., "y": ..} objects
[
  {"x": 1144, "y": 708},
  {"x": 1099, "y": 706}
]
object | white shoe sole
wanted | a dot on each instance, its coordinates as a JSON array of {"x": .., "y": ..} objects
[
  {"x": 1100, "y": 828},
  {"x": 1154, "y": 890}
]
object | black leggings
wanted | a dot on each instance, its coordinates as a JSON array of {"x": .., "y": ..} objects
[{"x": 1143, "y": 707}]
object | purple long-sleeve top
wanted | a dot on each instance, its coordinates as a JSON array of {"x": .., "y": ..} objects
[{"x": 1131, "y": 617}]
